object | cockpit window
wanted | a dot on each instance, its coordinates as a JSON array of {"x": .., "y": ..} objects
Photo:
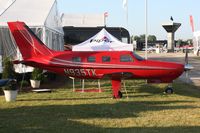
[
  {"x": 139, "y": 58},
  {"x": 126, "y": 58}
]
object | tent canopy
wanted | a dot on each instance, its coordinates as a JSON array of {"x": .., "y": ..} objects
[
  {"x": 32, "y": 12},
  {"x": 40, "y": 15},
  {"x": 83, "y": 20},
  {"x": 196, "y": 41},
  {"x": 102, "y": 41}
]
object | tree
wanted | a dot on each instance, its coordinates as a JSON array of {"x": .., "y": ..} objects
[
  {"x": 190, "y": 41},
  {"x": 8, "y": 71},
  {"x": 142, "y": 38},
  {"x": 9, "y": 74},
  {"x": 137, "y": 38},
  {"x": 179, "y": 42},
  {"x": 152, "y": 38},
  {"x": 37, "y": 74},
  {"x": 132, "y": 39}
]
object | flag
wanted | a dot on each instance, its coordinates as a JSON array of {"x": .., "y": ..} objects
[
  {"x": 105, "y": 14},
  {"x": 125, "y": 6},
  {"x": 125, "y": 3},
  {"x": 192, "y": 23},
  {"x": 171, "y": 18}
]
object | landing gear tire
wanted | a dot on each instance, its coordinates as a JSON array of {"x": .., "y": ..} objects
[
  {"x": 120, "y": 95},
  {"x": 169, "y": 90}
]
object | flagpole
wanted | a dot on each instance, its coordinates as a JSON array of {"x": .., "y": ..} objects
[
  {"x": 105, "y": 16},
  {"x": 146, "y": 29},
  {"x": 125, "y": 6},
  {"x": 127, "y": 13},
  {"x": 104, "y": 20}
]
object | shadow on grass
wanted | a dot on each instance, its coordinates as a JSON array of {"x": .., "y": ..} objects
[
  {"x": 70, "y": 126},
  {"x": 180, "y": 88},
  {"x": 62, "y": 99},
  {"x": 185, "y": 89},
  {"x": 174, "y": 129},
  {"x": 62, "y": 118}
]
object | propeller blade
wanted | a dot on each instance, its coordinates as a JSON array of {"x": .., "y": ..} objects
[
  {"x": 187, "y": 77},
  {"x": 186, "y": 56},
  {"x": 187, "y": 66}
]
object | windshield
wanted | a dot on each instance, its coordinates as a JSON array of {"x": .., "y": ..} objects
[{"x": 139, "y": 58}]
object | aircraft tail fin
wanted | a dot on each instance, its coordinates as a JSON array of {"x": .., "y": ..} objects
[{"x": 28, "y": 43}]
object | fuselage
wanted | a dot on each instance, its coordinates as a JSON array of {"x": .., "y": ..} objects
[{"x": 94, "y": 65}]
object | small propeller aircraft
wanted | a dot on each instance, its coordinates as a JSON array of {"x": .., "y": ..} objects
[{"x": 116, "y": 65}]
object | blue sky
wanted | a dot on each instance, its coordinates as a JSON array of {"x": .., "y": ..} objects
[{"x": 159, "y": 11}]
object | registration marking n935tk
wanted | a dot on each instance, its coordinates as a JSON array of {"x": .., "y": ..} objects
[{"x": 80, "y": 72}]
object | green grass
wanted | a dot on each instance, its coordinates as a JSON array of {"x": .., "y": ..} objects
[{"x": 146, "y": 110}]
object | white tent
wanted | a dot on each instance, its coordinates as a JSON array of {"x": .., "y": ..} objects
[
  {"x": 83, "y": 20},
  {"x": 102, "y": 41},
  {"x": 40, "y": 15},
  {"x": 43, "y": 19},
  {"x": 196, "y": 42}
]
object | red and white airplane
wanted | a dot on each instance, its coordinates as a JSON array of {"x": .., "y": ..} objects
[{"x": 116, "y": 65}]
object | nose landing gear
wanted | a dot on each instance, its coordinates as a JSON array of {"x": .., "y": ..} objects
[{"x": 169, "y": 90}]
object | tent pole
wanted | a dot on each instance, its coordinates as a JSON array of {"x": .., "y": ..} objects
[
  {"x": 99, "y": 85},
  {"x": 44, "y": 35},
  {"x": 83, "y": 85}
]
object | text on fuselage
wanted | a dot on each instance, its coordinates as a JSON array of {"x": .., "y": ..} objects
[{"x": 80, "y": 72}]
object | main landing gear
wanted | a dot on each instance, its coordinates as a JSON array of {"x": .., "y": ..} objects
[
  {"x": 116, "y": 86},
  {"x": 119, "y": 95}
]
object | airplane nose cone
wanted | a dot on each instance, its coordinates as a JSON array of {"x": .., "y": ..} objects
[{"x": 179, "y": 69}]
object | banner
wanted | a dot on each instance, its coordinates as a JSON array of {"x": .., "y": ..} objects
[
  {"x": 125, "y": 2},
  {"x": 192, "y": 23}
]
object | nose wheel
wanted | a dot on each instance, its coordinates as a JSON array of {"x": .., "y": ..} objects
[{"x": 169, "y": 90}]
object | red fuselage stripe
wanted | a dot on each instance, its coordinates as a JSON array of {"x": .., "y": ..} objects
[{"x": 66, "y": 63}]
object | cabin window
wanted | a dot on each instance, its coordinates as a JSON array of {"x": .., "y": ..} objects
[
  {"x": 106, "y": 59},
  {"x": 126, "y": 58},
  {"x": 91, "y": 59},
  {"x": 76, "y": 59}
]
